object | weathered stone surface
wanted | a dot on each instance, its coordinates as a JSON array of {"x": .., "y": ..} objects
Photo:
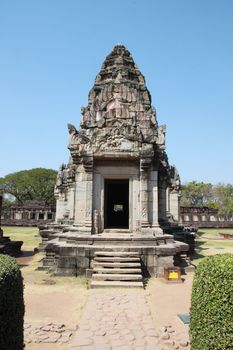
[
  {"x": 82, "y": 340},
  {"x": 127, "y": 311},
  {"x": 48, "y": 332}
]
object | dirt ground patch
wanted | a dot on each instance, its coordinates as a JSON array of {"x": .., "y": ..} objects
[
  {"x": 44, "y": 346},
  {"x": 26, "y": 258},
  {"x": 53, "y": 303},
  {"x": 50, "y": 299},
  {"x": 167, "y": 300}
]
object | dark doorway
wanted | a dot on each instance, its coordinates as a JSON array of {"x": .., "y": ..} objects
[{"x": 116, "y": 204}]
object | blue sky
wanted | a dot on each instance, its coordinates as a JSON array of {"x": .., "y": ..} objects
[{"x": 51, "y": 51}]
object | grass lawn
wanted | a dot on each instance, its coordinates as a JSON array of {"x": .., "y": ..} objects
[
  {"x": 220, "y": 244},
  {"x": 29, "y": 236},
  {"x": 203, "y": 241},
  {"x": 33, "y": 276},
  {"x": 207, "y": 245},
  {"x": 29, "y": 261},
  {"x": 213, "y": 232}
]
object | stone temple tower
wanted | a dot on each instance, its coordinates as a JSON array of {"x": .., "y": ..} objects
[{"x": 118, "y": 189}]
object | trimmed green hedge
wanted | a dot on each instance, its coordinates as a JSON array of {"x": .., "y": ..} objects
[
  {"x": 11, "y": 304},
  {"x": 211, "y": 314}
]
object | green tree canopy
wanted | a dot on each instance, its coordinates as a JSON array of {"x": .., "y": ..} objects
[
  {"x": 33, "y": 184},
  {"x": 196, "y": 194},
  {"x": 201, "y": 194}
]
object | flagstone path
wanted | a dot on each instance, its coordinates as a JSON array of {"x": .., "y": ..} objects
[{"x": 116, "y": 320}]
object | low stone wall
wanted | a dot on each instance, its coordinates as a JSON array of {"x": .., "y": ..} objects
[
  {"x": 204, "y": 217},
  {"x": 14, "y": 222},
  {"x": 208, "y": 224}
]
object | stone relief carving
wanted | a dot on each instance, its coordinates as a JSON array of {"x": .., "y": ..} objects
[
  {"x": 65, "y": 179},
  {"x": 88, "y": 213},
  {"x": 61, "y": 175},
  {"x": 76, "y": 137},
  {"x": 175, "y": 179},
  {"x": 151, "y": 114},
  {"x": 164, "y": 160},
  {"x": 144, "y": 212},
  {"x": 119, "y": 108},
  {"x": 161, "y": 136}
]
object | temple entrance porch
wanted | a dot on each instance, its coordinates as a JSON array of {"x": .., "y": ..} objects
[
  {"x": 116, "y": 203},
  {"x": 116, "y": 193}
]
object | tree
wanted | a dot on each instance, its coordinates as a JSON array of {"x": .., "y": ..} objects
[
  {"x": 201, "y": 194},
  {"x": 34, "y": 184},
  {"x": 223, "y": 195},
  {"x": 196, "y": 194}
]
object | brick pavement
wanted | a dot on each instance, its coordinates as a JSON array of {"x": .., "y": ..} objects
[{"x": 116, "y": 320}]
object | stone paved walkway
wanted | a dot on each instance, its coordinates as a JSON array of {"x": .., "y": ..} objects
[{"x": 116, "y": 319}]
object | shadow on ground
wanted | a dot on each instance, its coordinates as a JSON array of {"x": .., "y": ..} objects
[
  {"x": 198, "y": 249},
  {"x": 200, "y": 233},
  {"x": 26, "y": 258}
]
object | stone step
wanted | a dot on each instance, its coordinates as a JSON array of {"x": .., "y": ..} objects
[
  {"x": 115, "y": 253},
  {"x": 115, "y": 284},
  {"x": 116, "y": 259},
  {"x": 116, "y": 270},
  {"x": 117, "y": 264},
  {"x": 116, "y": 277},
  {"x": 47, "y": 262}
]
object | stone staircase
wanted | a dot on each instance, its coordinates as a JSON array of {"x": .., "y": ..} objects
[
  {"x": 116, "y": 269},
  {"x": 48, "y": 261}
]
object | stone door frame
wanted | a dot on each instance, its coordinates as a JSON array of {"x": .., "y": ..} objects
[{"x": 103, "y": 173}]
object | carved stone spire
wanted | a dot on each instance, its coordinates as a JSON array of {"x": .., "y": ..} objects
[
  {"x": 119, "y": 74},
  {"x": 119, "y": 117},
  {"x": 120, "y": 97},
  {"x": 120, "y": 62}
]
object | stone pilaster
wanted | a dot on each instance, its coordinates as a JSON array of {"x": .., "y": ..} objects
[
  {"x": 154, "y": 189},
  {"x": 72, "y": 202},
  {"x": 168, "y": 200},
  {"x": 163, "y": 200},
  {"x": 89, "y": 196},
  {"x": 144, "y": 165},
  {"x": 80, "y": 198},
  {"x": 88, "y": 167},
  {"x": 174, "y": 205},
  {"x": 84, "y": 196}
]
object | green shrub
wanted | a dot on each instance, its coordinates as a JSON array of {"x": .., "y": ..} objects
[
  {"x": 11, "y": 305},
  {"x": 211, "y": 314}
]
